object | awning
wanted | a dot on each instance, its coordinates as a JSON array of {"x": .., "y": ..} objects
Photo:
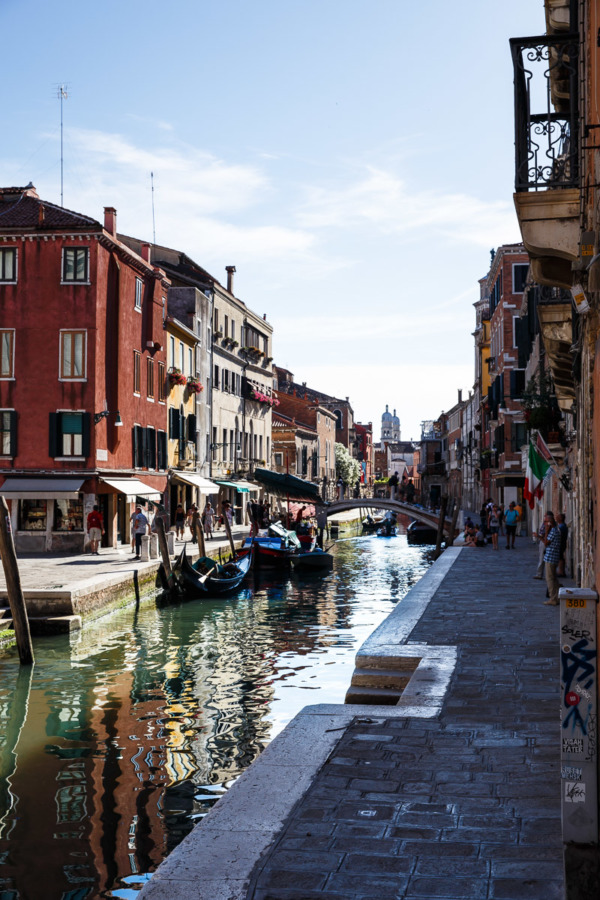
[
  {"x": 41, "y": 488},
  {"x": 133, "y": 488},
  {"x": 204, "y": 485},
  {"x": 242, "y": 487},
  {"x": 287, "y": 485}
]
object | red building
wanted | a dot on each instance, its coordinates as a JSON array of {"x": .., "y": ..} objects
[
  {"x": 82, "y": 373},
  {"x": 364, "y": 447}
]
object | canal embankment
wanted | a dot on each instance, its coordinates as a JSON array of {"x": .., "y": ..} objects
[
  {"x": 62, "y": 592},
  {"x": 452, "y": 791}
]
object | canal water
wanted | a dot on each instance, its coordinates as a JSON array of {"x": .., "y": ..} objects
[{"x": 124, "y": 735}]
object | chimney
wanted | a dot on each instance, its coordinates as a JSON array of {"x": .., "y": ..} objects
[
  {"x": 146, "y": 252},
  {"x": 230, "y": 273},
  {"x": 110, "y": 220},
  {"x": 41, "y": 215},
  {"x": 460, "y": 396}
]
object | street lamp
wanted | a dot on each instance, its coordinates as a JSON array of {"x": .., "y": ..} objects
[{"x": 104, "y": 414}]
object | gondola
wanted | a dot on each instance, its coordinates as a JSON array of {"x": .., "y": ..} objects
[
  {"x": 222, "y": 579},
  {"x": 277, "y": 548},
  {"x": 420, "y": 533},
  {"x": 316, "y": 560},
  {"x": 387, "y": 530}
]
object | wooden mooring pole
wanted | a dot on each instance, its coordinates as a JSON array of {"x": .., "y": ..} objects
[
  {"x": 164, "y": 552},
  {"x": 455, "y": 514},
  {"x": 13, "y": 588}
]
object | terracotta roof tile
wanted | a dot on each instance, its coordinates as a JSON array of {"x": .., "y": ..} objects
[{"x": 27, "y": 212}]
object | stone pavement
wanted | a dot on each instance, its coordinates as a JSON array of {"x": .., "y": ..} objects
[{"x": 465, "y": 805}]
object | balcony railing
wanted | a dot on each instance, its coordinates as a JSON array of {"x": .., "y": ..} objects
[{"x": 546, "y": 111}]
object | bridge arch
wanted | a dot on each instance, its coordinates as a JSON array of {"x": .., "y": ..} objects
[{"x": 397, "y": 506}]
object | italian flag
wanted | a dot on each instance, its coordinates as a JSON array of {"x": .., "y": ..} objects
[{"x": 537, "y": 468}]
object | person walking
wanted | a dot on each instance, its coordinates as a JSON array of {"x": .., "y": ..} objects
[
  {"x": 194, "y": 519},
  {"x": 95, "y": 528},
  {"x": 511, "y": 517},
  {"x": 179, "y": 522},
  {"x": 393, "y": 484},
  {"x": 208, "y": 519},
  {"x": 564, "y": 536},
  {"x": 139, "y": 524},
  {"x": 551, "y": 559},
  {"x": 539, "y": 573},
  {"x": 494, "y": 526}
]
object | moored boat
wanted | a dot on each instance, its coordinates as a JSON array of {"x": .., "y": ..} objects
[
  {"x": 420, "y": 533},
  {"x": 313, "y": 560},
  {"x": 207, "y": 578},
  {"x": 274, "y": 549}
]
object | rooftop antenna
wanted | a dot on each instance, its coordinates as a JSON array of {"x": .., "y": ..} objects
[
  {"x": 62, "y": 95},
  {"x": 153, "y": 221}
]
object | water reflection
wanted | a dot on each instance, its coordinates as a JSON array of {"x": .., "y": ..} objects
[{"x": 122, "y": 738}]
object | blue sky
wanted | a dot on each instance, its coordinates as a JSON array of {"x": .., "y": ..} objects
[{"x": 353, "y": 159}]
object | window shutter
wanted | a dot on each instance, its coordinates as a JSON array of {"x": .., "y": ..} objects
[
  {"x": 13, "y": 432},
  {"x": 191, "y": 427},
  {"x": 173, "y": 423},
  {"x": 53, "y": 434},
  {"x": 134, "y": 438},
  {"x": 85, "y": 434},
  {"x": 145, "y": 448}
]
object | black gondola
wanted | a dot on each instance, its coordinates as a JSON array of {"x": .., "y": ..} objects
[{"x": 206, "y": 578}]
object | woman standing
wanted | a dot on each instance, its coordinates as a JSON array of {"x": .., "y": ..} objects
[
  {"x": 208, "y": 519},
  {"x": 179, "y": 522},
  {"x": 494, "y": 526}
]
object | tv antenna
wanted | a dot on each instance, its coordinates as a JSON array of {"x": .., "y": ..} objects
[
  {"x": 153, "y": 220},
  {"x": 62, "y": 95}
]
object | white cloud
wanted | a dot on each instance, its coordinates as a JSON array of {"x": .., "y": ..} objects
[{"x": 382, "y": 200}]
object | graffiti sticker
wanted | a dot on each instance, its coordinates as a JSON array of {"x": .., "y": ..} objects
[
  {"x": 574, "y": 792},
  {"x": 571, "y": 773}
]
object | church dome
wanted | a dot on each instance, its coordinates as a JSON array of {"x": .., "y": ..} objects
[
  {"x": 395, "y": 418},
  {"x": 387, "y": 416}
]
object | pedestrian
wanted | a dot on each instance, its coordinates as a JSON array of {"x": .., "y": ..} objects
[
  {"x": 194, "y": 520},
  {"x": 179, "y": 522},
  {"x": 512, "y": 517},
  {"x": 340, "y": 487},
  {"x": 539, "y": 574},
  {"x": 564, "y": 535},
  {"x": 494, "y": 526},
  {"x": 393, "y": 484},
  {"x": 139, "y": 524},
  {"x": 321, "y": 524},
  {"x": 228, "y": 512},
  {"x": 208, "y": 519},
  {"x": 95, "y": 528},
  {"x": 551, "y": 558},
  {"x": 519, "y": 507},
  {"x": 501, "y": 521}
]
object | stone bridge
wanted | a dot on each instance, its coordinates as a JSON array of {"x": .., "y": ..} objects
[{"x": 397, "y": 506}]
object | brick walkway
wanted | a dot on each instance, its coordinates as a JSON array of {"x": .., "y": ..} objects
[{"x": 464, "y": 806}]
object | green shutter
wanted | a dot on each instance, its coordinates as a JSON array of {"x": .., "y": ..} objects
[
  {"x": 53, "y": 434},
  {"x": 12, "y": 418},
  {"x": 191, "y": 427},
  {"x": 85, "y": 434}
]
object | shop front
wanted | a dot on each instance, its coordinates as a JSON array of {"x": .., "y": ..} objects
[
  {"x": 238, "y": 494},
  {"x": 47, "y": 514},
  {"x": 117, "y": 498},
  {"x": 188, "y": 488}
]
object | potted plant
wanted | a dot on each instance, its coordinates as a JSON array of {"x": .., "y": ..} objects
[
  {"x": 194, "y": 386},
  {"x": 176, "y": 376},
  {"x": 218, "y": 334}
]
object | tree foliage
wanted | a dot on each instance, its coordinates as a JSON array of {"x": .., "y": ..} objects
[{"x": 346, "y": 467}]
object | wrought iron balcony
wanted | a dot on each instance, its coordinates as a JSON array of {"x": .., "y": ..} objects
[{"x": 546, "y": 111}]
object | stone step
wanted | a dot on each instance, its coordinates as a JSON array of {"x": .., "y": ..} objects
[
  {"x": 393, "y": 679},
  {"x": 42, "y": 625},
  {"x": 373, "y": 696}
]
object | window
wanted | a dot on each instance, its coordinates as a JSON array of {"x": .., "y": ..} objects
[
  {"x": 73, "y": 355},
  {"x": 8, "y": 264},
  {"x": 150, "y": 378},
  {"x": 216, "y": 380},
  {"x": 75, "y": 264},
  {"x": 7, "y": 353},
  {"x": 138, "y": 446},
  {"x": 150, "y": 448},
  {"x": 520, "y": 271},
  {"x": 139, "y": 290},
  {"x": 137, "y": 371},
  {"x": 8, "y": 432},
  {"x": 68, "y": 515},
  {"x": 224, "y": 445},
  {"x": 172, "y": 351},
  {"x": 214, "y": 443},
  {"x": 190, "y": 361},
  {"x": 226, "y": 327},
  {"x": 162, "y": 384},
  {"x": 225, "y": 380},
  {"x": 32, "y": 515},
  {"x": 278, "y": 459},
  {"x": 216, "y": 320},
  {"x": 69, "y": 434},
  {"x": 181, "y": 357},
  {"x": 232, "y": 330}
]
